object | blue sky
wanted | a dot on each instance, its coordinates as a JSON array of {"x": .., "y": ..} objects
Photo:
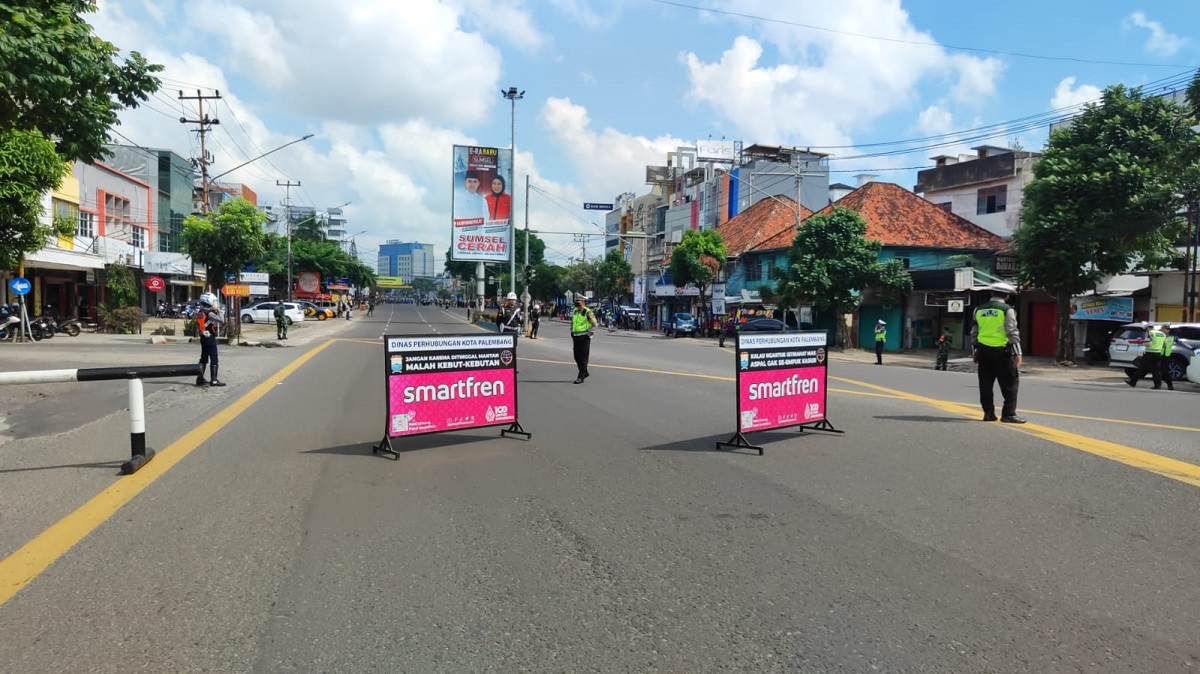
[{"x": 388, "y": 86}]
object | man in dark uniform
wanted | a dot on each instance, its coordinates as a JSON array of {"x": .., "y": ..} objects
[
  {"x": 208, "y": 317},
  {"x": 997, "y": 353}
]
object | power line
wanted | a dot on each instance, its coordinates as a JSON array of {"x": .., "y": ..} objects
[
  {"x": 1164, "y": 86},
  {"x": 949, "y": 47}
]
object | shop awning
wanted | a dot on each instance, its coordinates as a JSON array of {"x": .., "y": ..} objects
[{"x": 65, "y": 260}]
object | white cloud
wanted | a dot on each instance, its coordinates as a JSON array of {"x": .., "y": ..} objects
[
  {"x": 816, "y": 87},
  {"x": 607, "y": 161},
  {"x": 1161, "y": 42},
  {"x": 1066, "y": 94},
  {"x": 254, "y": 44},
  {"x": 393, "y": 60},
  {"x": 935, "y": 120}
]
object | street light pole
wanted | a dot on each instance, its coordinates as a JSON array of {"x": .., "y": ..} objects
[
  {"x": 525, "y": 296},
  {"x": 288, "y": 185},
  {"x": 513, "y": 95}
]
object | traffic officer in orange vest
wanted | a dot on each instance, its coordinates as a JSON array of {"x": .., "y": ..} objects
[
  {"x": 1152, "y": 358},
  {"x": 997, "y": 353},
  {"x": 208, "y": 317}
]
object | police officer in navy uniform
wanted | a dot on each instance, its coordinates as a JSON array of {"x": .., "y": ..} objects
[
  {"x": 208, "y": 317},
  {"x": 997, "y": 353}
]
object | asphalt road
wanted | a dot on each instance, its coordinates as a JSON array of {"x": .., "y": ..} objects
[{"x": 266, "y": 537}]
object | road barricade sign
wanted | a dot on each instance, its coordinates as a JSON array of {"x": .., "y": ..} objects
[
  {"x": 447, "y": 383},
  {"x": 781, "y": 383}
]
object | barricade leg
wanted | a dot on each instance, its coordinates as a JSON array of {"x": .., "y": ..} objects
[{"x": 137, "y": 429}]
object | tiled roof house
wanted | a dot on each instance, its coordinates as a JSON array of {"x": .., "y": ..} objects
[
  {"x": 767, "y": 224},
  {"x": 929, "y": 240}
]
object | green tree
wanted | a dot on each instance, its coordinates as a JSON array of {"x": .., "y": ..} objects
[
  {"x": 549, "y": 282},
  {"x": 832, "y": 261},
  {"x": 29, "y": 168},
  {"x": 225, "y": 241},
  {"x": 1105, "y": 198},
  {"x": 309, "y": 228},
  {"x": 424, "y": 285},
  {"x": 697, "y": 259},
  {"x": 613, "y": 275},
  {"x": 463, "y": 271},
  {"x": 582, "y": 276},
  {"x": 63, "y": 81},
  {"x": 537, "y": 249},
  {"x": 61, "y": 88},
  {"x": 121, "y": 285}
]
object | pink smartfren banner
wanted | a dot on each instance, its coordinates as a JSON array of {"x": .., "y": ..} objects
[
  {"x": 781, "y": 382},
  {"x": 449, "y": 382}
]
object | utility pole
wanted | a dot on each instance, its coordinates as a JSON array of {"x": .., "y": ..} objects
[
  {"x": 287, "y": 186},
  {"x": 525, "y": 296},
  {"x": 204, "y": 122}
]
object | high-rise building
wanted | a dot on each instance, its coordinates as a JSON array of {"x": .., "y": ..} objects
[
  {"x": 406, "y": 260},
  {"x": 171, "y": 179}
]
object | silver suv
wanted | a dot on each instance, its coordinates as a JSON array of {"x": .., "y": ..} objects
[{"x": 1129, "y": 343}]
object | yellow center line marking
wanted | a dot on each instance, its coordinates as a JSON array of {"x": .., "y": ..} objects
[
  {"x": 1136, "y": 458},
  {"x": 27, "y": 563},
  {"x": 971, "y": 406}
]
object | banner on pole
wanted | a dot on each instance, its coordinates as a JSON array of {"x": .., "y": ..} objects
[
  {"x": 449, "y": 382},
  {"x": 482, "y": 206}
]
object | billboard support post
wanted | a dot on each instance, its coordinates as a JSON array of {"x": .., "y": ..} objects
[
  {"x": 435, "y": 384},
  {"x": 781, "y": 383}
]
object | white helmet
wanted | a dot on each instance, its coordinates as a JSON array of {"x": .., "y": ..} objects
[
  {"x": 511, "y": 296},
  {"x": 209, "y": 300},
  {"x": 1002, "y": 288}
]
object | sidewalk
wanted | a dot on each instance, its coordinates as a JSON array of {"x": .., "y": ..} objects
[
  {"x": 960, "y": 361},
  {"x": 1031, "y": 366},
  {"x": 253, "y": 334}
]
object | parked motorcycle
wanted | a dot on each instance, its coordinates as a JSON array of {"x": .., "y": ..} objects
[
  {"x": 69, "y": 326},
  {"x": 42, "y": 327},
  {"x": 1095, "y": 353}
]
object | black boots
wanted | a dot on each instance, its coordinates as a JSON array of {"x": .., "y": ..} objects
[{"x": 215, "y": 382}]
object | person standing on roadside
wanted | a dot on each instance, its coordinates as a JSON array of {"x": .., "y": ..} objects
[
  {"x": 880, "y": 340},
  {"x": 280, "y": 320},
  {"x": 535, "y": 318},
  {"x": 943, "y": 354},
  {"x": 996, "y": 344},
  {"x": 583, "y": 326},
  {"x": 1165, "y": 363},
  {"x": 208, "y": 317},
  {"x": 1152, "y": 358},
  {"x": 508, "y": 317}
]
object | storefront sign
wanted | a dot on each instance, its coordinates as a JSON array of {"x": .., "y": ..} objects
[
  {"x": 155, "y": 284},
  {"x": 1102, "y": 309},
  {"x": 235, "y": 290},
  {"x": 308, "y": 281}
]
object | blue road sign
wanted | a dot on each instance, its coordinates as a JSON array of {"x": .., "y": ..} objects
[
  {"x": 597, "y": 207},
  {"x": 19, "y": 285}
]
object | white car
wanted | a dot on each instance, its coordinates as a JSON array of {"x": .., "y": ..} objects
[
  {"x": 1193, "y": 368},
  {"x": 264, "y": 312}
]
